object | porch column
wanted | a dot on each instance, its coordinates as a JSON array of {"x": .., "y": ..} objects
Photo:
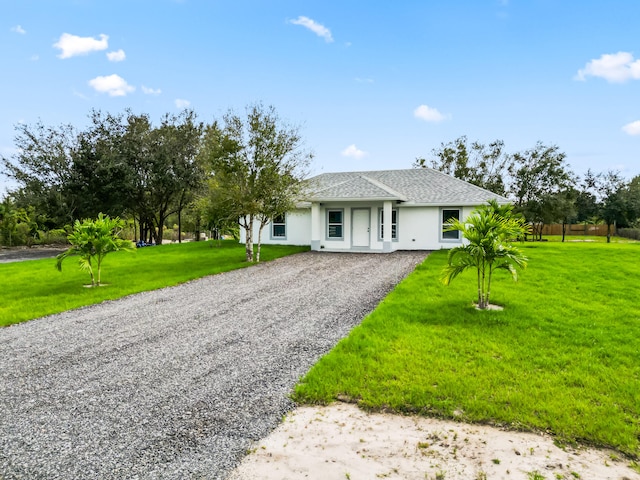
[
  {"x": 386, "y": 227},
  {"x": 315, "y": 226}
]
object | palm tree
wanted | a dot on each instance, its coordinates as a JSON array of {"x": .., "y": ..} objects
[
  {"x": 93, "y": 240},
  {"x": 487, "y": 232}
]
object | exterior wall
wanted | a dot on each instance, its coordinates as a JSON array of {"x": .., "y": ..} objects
[
  {"x": 298, "y": 230},
  {"x": 418, "y": 228}
]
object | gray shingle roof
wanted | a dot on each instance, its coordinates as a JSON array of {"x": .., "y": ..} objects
[{"x": 417, "y": 186}]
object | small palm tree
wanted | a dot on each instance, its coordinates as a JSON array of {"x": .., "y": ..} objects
[
  {"x": 93, "y": 240},
  {"x": 488, "y": 232}
]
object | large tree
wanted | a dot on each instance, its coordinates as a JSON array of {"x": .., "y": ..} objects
[
  {"x": 258, "y": 163},
  {"x": 42, "y": 169},
  {"x": 538, "y": 176},
  {"x": 483, "y": 165},
  {"x": 119, "y": 165}
]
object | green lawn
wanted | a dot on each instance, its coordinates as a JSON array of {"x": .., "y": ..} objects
[
  {"x": 35, "y": 288},
  {"x": 563, "y": 356}
]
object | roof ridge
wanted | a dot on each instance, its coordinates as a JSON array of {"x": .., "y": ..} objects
[{"x": 384, "y": 187}]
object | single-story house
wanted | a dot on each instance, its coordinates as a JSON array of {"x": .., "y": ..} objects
[{"x": 378, "y": 211}]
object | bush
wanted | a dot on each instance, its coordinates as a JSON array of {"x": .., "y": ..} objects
[{"x": 55, "y": 236}]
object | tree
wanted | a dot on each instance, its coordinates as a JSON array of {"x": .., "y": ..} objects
[
  {"x": 92, "y": 240},
  {"x": 586, "y": 203},
  {"x": 488, "y": 232},
  {"x": 483, "y": 165},
  {"x": 632, "y": 193},
  {"x": 562, "y": 207},
  {"x": 538, "y": 175},
  {"x": 42, "y": 168},
  {"x": 123, "y": 164},
  {"x": 257, "y": 164},
  {"x": 10, "y": 218},
  {"x": 612, "y": 205}
]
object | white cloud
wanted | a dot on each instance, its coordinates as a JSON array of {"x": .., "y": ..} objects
[
  {"x": 114, "y": 85},
  {"x": 18, "y": 29},
  {"x": 363, "y": 80},
  {"x": 632, "y": 128},
  {"x": 429, "y": 114},
  {"x": 116, "y": 56},
  {"x": 614, "y": 68},
  {"x": 353, "y": 152},
  {"x": 34, "y": 58},
  {"x": 72, "y": 45},
  {"x": 181, "y": 103},
  {"x": 151, "y": 91},
  {"x": 315, "y": 27}
]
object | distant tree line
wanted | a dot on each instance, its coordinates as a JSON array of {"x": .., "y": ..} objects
[
  {"x": 218, "y": 174},
  {"x": 540, "y": 183}
]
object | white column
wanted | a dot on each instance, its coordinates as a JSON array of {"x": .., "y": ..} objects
[
  {"x": 386, "y": 232},
  {"x": 315, "y": 226}
]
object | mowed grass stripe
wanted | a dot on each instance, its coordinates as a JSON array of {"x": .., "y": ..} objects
[
  {"x": 563, "y": 356},
  {"x": 35, "y": 288}
]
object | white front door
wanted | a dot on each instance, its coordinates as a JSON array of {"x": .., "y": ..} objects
[{"x": 360, "y": 227}]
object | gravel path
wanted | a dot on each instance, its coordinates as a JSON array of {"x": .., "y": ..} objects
[
  {"x": 20, "y": 254},
  {"x": 176, "y": 383}
]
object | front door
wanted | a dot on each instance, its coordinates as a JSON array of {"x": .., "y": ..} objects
[{"x": 360, "y": 227}]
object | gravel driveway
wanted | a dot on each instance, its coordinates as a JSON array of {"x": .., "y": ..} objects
[{"x": 178, "y": 382}]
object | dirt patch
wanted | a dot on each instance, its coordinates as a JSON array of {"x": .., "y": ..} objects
[{"x": 342, "y": 441}]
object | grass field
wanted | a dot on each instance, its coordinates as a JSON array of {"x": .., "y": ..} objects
[
  {"x": 35, "y": 288},
  {"x": 562, "y": 357}
]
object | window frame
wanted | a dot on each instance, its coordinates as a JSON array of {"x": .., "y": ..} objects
[
  {"x": 393, "y": 224},
  {"x": 275, "y": 223},
  {"x": 444, "y": 224},
  {"x": 328, "y": 224}
]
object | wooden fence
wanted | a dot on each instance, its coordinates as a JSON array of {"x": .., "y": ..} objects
[{"x": 577, "y": 229}]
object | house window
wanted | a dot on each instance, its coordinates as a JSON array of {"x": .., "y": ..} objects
[
  {"x": 446, "y": 215},
  {"x": 394, "y": 224},
  {"x": 335, "y": 224},
  {"x": 279, "y": 227}
]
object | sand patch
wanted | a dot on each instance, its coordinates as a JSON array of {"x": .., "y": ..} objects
[{"x": 343, "y": 442}]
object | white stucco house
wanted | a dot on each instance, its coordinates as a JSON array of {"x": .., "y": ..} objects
[{"x": 377, "y": 211}]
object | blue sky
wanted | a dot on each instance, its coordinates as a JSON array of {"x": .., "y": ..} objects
[{"x": 372, "y": 84}]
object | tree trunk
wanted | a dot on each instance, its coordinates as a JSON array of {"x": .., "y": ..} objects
[
  {"x": 99, "y": 265},
  {"x": 135, "y": 232},
  {"x": 488, "y": 295},
  {"x": 179, "y": 225},
  {"x": 564, "y": 228},
  {"x": 259, "y": 240},
  {"x": 608, "y": 232},
  {"x": 479, "y": 289},
  {"x": 197, "y": 228},
  {"x": 248, "y": 228},
  {"x": 484, "y": 292}
]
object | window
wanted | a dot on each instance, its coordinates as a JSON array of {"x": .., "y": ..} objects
[
  {"x": 394, "y": 224},
  {"x": 446, "y": 216},
  {"x": 279, "y": 227},
  {"x": 334, "y": 224}
]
